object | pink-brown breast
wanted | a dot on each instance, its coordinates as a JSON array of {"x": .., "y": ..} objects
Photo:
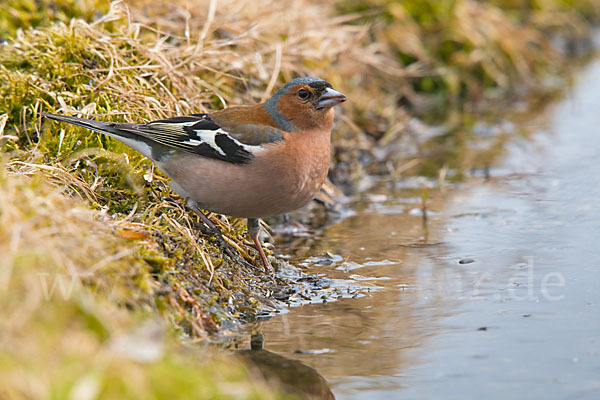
[{"x": 283, "y": 177}]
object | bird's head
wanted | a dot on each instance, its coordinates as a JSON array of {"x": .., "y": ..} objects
[{"x": 304, "y": 104}]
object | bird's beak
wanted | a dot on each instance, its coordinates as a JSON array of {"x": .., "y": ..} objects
[{"x": 330, "y": 98}]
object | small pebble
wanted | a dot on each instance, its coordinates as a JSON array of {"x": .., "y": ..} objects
[{"x": 314, "y": 352}]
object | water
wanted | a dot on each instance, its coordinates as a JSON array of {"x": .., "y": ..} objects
[{"x": 502, "y": 299}]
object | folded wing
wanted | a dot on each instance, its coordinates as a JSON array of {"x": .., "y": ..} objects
[{"x": 195, "y": 134}]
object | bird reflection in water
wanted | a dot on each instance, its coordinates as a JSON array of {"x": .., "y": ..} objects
[{"x": 288, "y": 375}]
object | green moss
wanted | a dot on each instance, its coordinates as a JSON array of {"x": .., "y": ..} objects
[
  {"x": 23, "y": 14},
  {"x": 78, "y": 314}
]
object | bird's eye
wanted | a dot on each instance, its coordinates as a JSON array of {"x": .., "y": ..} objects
[{"x": 303, "y": 94}]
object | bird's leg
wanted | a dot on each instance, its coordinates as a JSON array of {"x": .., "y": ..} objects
[
  {"x": 253, "y": 230},
  {"x": 213, "y": 229}
]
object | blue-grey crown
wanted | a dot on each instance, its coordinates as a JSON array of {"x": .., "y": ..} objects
[{"x": 271, "y": 104}]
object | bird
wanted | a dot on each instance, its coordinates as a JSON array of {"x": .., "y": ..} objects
[{"x": 246, "y": 161}]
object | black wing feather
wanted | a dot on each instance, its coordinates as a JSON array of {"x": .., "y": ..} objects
[
  {"x": 177, "y": 133},
  {"x": 182, "y": 133}
]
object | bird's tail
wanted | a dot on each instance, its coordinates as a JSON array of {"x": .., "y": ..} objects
[
  {"x": 98, "y": 126},
  {"x": 111, "y": 129}
]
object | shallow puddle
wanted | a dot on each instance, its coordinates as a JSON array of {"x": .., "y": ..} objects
[{"x": 497, "y": 296}]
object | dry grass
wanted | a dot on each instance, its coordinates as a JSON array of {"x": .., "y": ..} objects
[
  {"x": 65, "y": 277},
  {"x": 158, "y": 66}
]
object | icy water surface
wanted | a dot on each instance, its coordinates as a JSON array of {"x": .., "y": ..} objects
[{"x": 501, "y": 301}]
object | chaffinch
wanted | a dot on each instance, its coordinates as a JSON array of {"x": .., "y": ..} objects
[{"x": 249, "y": 161}]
